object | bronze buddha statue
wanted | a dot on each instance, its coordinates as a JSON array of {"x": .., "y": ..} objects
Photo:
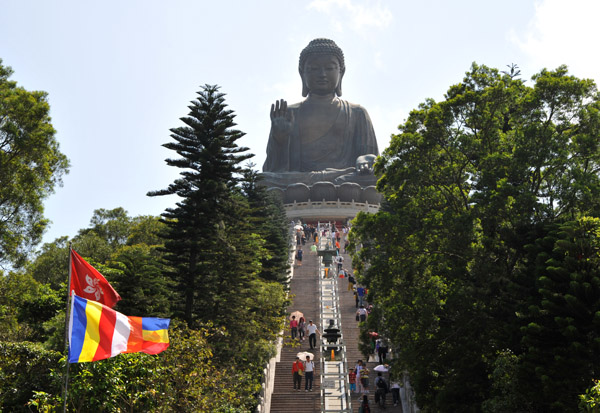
[{"x": 323, "y": 137}]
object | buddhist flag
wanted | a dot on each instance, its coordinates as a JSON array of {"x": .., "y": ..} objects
[
  {"x": 88, "y": 283},
  {"x": 98, "y": 332}
]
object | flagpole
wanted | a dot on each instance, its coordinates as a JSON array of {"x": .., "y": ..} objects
[{"x": 67, "y": 317}]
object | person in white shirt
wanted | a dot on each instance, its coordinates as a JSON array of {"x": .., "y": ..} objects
[
  {"x": 362, "y": 313},
  {"x": 312, "y": 334},
  {"x": 340, "y": 261},
  {"x": 395, "y": 388},
  {"x": 358, "y": 368},
  {"x": 309, "y": 368}
]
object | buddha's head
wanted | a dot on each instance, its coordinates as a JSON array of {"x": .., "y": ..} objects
[{"x": 321, "y": 68}]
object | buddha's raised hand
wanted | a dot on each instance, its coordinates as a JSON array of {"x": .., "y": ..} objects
[{"x": 281, "y": 119}]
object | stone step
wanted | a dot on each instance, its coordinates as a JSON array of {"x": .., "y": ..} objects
[{"x": 305, "y": 290}]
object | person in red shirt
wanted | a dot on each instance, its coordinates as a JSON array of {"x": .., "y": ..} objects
[
  {"x": 352, "y": 380},
  {"x": 297, "y": 373}
]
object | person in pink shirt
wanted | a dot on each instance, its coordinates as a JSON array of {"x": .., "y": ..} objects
[{"x": 294, "y": 327}]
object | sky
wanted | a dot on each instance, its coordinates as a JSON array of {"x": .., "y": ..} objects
[{"x": 120, "y": 74}]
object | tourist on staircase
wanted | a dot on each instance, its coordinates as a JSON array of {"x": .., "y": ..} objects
[
  {"x": 359, "y": 367},
  {"x": 339, "y": 261},
  {"x": 309, "y": 369},
  {"x": 364, "y": 379},
  {"x": 364, "y": 405},
  {"x": 381, "y": 389},
  {"x": 351, "y": 281},
  {"x": 299, "y": 255},
  {"x": 395, "y": 388},
  {"x": 352, "y": 380},
  {"x": 312, "y": 334},
  {"x": 301, "y": 328},
  {"x": 362, "y": 293},
  {"x": 361, "y": 314},
  {"x": 297, "y": 373},
  {"x": 293, "y": 327}
]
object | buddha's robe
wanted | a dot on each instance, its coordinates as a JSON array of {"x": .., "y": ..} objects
[{"x": 350, "y": 136}]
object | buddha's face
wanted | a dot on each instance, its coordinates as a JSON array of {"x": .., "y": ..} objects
[{"x": 322, "y": 74}]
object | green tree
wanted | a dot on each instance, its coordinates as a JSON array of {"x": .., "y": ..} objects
[
  {"x": 590, "y": 401},
  {"x": 31, "y": 165},
  {"x": 25, "y": 305},
  {"x": 467, "y": 183},
  {"x": 140, "y": 280},
  {"x": 113, "y": 226},
  {"x": 51, "y": 265},
  {"x": 183, "y": 378},
  {"x": 268, "y": 218},
  {"x": 145, "y": 229},
  {"x": 210, "y": 161},
  {"x": 25, "y": 368},
  {"x": 561, "y": 318}
]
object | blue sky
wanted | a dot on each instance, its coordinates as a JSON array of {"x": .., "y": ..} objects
[{"x": 120, "y": 74}]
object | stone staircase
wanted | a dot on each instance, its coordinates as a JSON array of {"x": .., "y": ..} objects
[{"x": 304, "y": 288}]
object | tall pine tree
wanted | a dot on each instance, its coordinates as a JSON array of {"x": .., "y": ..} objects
[
  {"x": 268, "y": 219},
  {"x": 210, "y": 160}
]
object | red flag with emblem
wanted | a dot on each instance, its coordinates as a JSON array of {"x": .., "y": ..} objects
[{"x": 87, "y": 282}]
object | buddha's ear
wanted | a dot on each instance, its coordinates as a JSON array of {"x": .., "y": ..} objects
[
  {"x": 304, "y": 87},
  {"x": 338, "y": 89}
]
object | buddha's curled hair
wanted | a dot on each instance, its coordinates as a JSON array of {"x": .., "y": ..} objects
[{"x": 322, "y": 47}]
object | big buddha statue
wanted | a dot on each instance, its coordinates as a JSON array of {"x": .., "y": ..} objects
[{"x": 322, "y": 138}]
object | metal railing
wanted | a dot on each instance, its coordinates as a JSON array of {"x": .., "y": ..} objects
[{"x": 335, "y": 392}]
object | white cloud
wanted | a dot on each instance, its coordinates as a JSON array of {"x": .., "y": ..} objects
[
  {"x": 563, "y": 33},
  {"x": 361, "y": 15}
]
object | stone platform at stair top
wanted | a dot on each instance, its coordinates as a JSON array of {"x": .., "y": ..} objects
[{"x": 327, "y": 210}]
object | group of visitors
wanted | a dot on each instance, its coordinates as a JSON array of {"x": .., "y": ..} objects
[
  {"x": 358, "y": 378},
  {"x": 303, "y": 369},
  {"x": 299, "y": 329},
  {"x": 305, "y": 232},
  {"x": 363, "y": 309}
]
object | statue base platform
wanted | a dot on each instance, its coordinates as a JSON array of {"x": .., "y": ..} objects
[
  {"x": 326, "y": 200},
  {"x": 327, "y": 210}
]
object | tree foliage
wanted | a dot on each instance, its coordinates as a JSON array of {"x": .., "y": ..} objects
[
  {"x": 217, "y": 259},
  {"x": 184, "y": 378},
  {"x": 31, "y": 165},
  {"x": 268, "y": 218},
  {"x": 469, "y": 184},
  {"x": 139, "y": 277},
  {"x": 25, "y": 368},
  {"x": 224, "y": 240},
  {"x": 561, "y": 316},
  {"x": 25, "y": 305},
  {"x": 198, "y": 226}
]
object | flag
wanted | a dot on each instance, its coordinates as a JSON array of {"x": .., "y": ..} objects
[
  {"x": 88, "y": 283},
  {"x": 97, "y": 332}
]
